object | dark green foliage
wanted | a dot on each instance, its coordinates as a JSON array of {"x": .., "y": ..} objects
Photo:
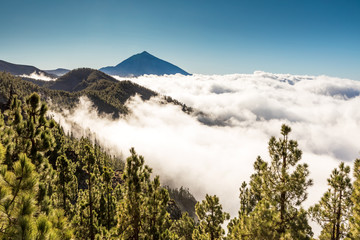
[
  {"x": 334, "y": 208},
  {"x": 131, "y": 209},
  {"x": 183, "y": 228},
  {"x": 271, "y": 208},
  {"x": 355, "y": 198},
  {"x": 184, "y": 200},
  {"x": 78, "y": 80},
  {"x": 89, "y": 199},
  {"x": 211, "y": 216},
  {"x": 142, "y": 212},
  {"x": 157, "y": 220},
  {"x": 26, "y": 180},
  {"x": 108, "y": 201},
  {"x": 29, "y": 128},
  {"x": 173, "y": 210},
  {"x": 66, "y": 183}
]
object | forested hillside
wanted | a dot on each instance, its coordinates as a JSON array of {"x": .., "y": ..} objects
[
  {"x": 56, "y": 187},
  {"x": 107, "y": 94}
]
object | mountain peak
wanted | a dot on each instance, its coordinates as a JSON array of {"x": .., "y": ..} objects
[{"x": 141, "y": 64}]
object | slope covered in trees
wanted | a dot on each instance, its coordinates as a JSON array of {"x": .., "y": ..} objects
[
  {"x": 107, "y": 94},
  {"x": 56, "y": 187}
]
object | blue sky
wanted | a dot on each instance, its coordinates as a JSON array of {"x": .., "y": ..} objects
[{"x": 201, "y": 36}]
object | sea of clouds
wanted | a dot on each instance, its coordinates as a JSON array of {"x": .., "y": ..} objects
[{"x": 248, "y": 109}]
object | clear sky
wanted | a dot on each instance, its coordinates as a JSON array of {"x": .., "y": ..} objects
[{"x": 201, "y": 36}]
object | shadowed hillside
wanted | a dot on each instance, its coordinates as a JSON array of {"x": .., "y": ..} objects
[
  {"x": 79, "y": 79},
  {"x": 107, "y": 94},
  {"x": 17, "y": 69}
]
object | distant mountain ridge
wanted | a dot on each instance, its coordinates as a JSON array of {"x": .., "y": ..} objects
[
  {"x": 141, "y": 64},
  {"x": 58, "y": 72},
  {"x": 18, "y": 69}
]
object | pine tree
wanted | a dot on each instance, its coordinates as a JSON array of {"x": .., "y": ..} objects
[
  {"x": 26, "y": 189},
  {"x": 238, "y": 228},
  {"x": 135, "y": 175},
  {"x": 142, "y": 211},
  {"x": 17, "y": 197},
  {"x": 32, "y": 133},
  {"x": 66, "y": 182},
  {"x": 183, "y": 228},
  {"x": 210, "y": 216},
  {"x": 355, "y": 198},
  {"x": 86, "y": 222},
  {"x": 61, "y": 228},
  {"x": 271, "y": 208},
  {"x": 332, "y": 212},
  {"x": 157, "y": 219},
  {"x": 13, "y": 142},
  {"x": 107, "y": 211}
]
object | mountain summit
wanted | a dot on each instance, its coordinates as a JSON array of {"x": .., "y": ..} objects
[{"x": 141, "y": 64}]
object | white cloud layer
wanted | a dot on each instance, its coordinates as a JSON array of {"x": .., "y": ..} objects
[
  {"x": 37, "y": 76},
  {"x": 322, "y": 111}
]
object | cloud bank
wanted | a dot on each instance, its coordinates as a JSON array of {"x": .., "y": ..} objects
[
  {"x": 37, "y": 76},
  {"x": 322, "y": 112}
]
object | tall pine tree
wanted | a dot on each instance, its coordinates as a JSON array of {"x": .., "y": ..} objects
[
  {"x": 211, "y": 217},
  {"x": 86, "y": 219},
  {"x": 332, "y": 212},
  {"x": 271, "y": 208},
  {"x": 355, "y": 198},
  {"x": 142, "y": 211},
  {"x": 67, "y": 186}
]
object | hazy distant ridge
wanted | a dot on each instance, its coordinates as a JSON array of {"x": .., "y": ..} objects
[
  {"x": 58, "y": 72},
  {"x": 17, "y": 69}
]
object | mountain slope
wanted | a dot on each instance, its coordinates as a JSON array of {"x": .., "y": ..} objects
[
  {"x": 79, "y": 79},
  {"x": 141, "y": 64},
  {"x": 58, "y": 72},
  {"x": 17, "y": 69},
  {"x": 107, "y": 94}
]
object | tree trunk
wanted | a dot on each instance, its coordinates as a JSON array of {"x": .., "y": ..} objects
[
  {"x": 108, "y": 208},
  {"x": 64, "y": 196},
  {"x": 283, "y": 192},
  {"x": 92, "y": 235},
  {"x": 338, "y": 218},
  {"x": 334, "y": 222}
]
